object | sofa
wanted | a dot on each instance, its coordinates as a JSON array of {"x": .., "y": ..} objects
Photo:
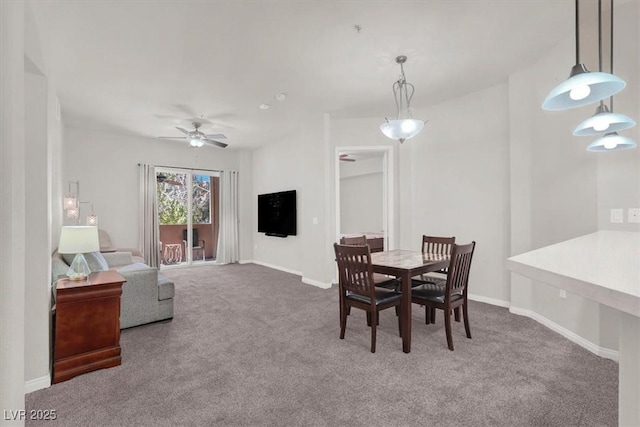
[{"x": 147, "y": 295}]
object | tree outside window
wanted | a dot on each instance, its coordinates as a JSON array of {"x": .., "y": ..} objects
[{"x": 172, "y": 199}]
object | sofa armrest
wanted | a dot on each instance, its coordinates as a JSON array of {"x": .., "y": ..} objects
[
  {"x": 139, "y": 294},
  {"x": 118, "y": 259}
]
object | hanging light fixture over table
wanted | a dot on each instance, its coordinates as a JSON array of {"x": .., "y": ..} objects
[
  {"x": 404, "y": 126},
  {"x": 582, "y": 87}
]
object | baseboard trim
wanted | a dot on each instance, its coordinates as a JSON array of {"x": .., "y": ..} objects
[
  {"x": 571, "y": 336},
  {"x": 316, "y": 283},
  {"x": 37, "y": 384},
  {"x": 492, "y": 301},
  {"x": 277, "y": 267}
]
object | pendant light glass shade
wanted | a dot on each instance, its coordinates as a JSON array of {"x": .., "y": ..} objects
[
  {"x": 401, "y": 129},
  {"x": 404, "y": 126},
  {"x": 603, "y": 121},
  {"x": 612, "y": 142},
  {"x": 582, "y": 88}
]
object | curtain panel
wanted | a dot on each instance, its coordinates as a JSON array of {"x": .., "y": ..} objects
[
  {"x": 228, "y": 246},
  {"x": 148, "y": 227}
]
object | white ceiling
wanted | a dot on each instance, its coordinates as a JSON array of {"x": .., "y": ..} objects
[{"x": 144, "y": 67}]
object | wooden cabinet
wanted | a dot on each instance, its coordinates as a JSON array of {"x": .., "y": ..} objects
[{"x": 87, "y": 324}]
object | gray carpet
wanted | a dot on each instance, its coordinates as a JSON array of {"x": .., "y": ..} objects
[{"x": 254, "y": 346}]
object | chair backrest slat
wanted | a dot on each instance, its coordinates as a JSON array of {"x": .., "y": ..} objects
[
  {"x": 438, "y": 245},
  {"x": 355, "y": 269},
  {"x": 459, "y": 267},
  {"x": 353, "y": 240}
]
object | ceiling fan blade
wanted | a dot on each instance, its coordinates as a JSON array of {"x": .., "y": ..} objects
[
  {"x": 215, "y": 136},
  {"x": 186, "y": 132},
  {"x": 216, "y": 143},
  {"x": 346, "y": 159}
]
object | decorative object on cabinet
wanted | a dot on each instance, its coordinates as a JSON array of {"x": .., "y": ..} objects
[{"x": 78, "y": 240}]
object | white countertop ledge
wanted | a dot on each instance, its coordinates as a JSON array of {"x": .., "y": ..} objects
[{"x": 603, "y": 266}]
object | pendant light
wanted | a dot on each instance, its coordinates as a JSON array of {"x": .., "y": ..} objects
[
  {"x": 604, "y": 119},
  {"x": 404, "y": 126},
  {"x": 611, "y": 141},
  {"x": 582, "y": 87}
]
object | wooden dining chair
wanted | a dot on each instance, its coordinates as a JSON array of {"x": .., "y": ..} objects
[
  {"x": 357, "y": 288},
  {"x": 454, "y": 294},
  {"x": 437, "y": 279},
  {"x": 380, "y": 280}
]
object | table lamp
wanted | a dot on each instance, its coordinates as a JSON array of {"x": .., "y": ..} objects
[{"x": 78, "y": 240}]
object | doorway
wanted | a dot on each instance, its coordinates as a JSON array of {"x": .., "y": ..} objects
[
  {"x": 365, "y": 192},
  {"x": 188, "y": 215}
]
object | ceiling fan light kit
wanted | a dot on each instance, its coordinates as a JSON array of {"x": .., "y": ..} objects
[{"x": 404, "y": 126}]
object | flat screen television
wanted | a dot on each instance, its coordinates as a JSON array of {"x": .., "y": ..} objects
[{"x": 277, "y": 213}]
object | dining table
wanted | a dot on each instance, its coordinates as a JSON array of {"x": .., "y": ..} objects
[{"x": 406, "y": 264}]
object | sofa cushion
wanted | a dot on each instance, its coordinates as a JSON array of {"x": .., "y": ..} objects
[
  {"x": 95, "y": 260},
  {"x": 166, "y": 287}
]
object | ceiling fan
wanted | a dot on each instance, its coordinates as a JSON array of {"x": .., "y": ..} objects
[
  {"x": 346, "y": 158},
  {"x": 198, "y": 139}
]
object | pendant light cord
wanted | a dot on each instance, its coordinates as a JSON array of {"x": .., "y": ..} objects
[
  {"x": 611, "y": 54},
  {"x": 577, "y": 35}
]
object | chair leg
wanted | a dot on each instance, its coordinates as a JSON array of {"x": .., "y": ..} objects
[
  {"x": 374, "y": 322},
  {"x": 427, "y": 315},
  {"x": 343, "y": 319},
  {"x": 433, "y": 315},
  {"x": 447, "y": 327},
  {"x": 456, "y": 312},
  {"x": 348, "y": 310},
  {"x": 399, "y": 320},
  {"x": 368, "y": 318},
  {"x": 466, "y": 320}
]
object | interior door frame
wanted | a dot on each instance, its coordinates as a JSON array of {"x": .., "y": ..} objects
[{"x": 388, "y": 192}]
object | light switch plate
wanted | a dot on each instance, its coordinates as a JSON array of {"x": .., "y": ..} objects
[
  {"x": 633, "y": 215},
  {"x": 617, "y": 215}
]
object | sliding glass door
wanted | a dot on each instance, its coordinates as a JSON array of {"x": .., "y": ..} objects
[{"x": 188, "y": 206}]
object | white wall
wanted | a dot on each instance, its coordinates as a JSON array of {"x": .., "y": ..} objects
[
  {"x": 460, "y": 182},
  {"x": 619, "y": 172},
  {"x": 296, "y": 163},
  {"x": 106, "y": 165},
  {"x": 13, "y": 172}
]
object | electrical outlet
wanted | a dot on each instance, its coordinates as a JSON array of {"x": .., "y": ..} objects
[
  {"x": 563, "y": 294},
  {"x": 617, "y": 215},
  {"x": 633, "y": 215}
]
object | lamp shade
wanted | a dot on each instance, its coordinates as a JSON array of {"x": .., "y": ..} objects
[
  {"x": 604, "y": 121},
  {"x": 401, "y": 129},
  {"x": 582, "y": 88},
  {"x": 78, "y": 240},
  {"x": 612, "y": 142}
]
